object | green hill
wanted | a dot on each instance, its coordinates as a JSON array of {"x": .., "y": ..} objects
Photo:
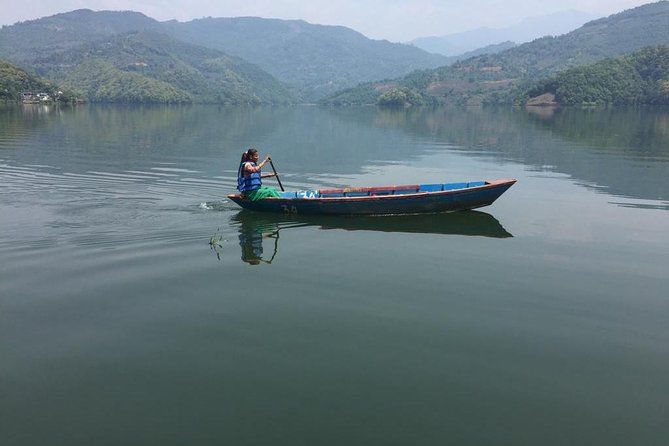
[
  {"x": 14, "y": 81},
  {"x": 93, "y": 53},
  {"x": 494, "y": 78},
  {"x": 315, "y": 60},
  {"x": 26, "y": 41},
  {"x": 641, "y": 77},
  {"x": 100, "y": 81},
  {"x": 152, "y": 67}
]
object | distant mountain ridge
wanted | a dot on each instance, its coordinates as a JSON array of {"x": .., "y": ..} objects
[
  {"x": 488, "y": 49},
  {"x": 26, "y": 41},
  {"x": 495, "y": 78},
  {"x": 314, "y": 60},
  {"x": 527, "y": 30}
]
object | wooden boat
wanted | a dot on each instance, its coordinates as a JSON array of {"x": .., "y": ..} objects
[{"x": 384, "y": 200}]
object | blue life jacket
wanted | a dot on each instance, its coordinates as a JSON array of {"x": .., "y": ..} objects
[{"x": 250, "y": 182}]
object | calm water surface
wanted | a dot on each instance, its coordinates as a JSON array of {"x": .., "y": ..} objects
[{"x": 541, "y": 319}]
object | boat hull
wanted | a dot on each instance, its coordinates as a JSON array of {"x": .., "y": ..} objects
[{"x": 384, "y": 201}]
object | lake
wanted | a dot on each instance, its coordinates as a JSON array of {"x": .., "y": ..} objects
[{"x": 139, "y": 306}]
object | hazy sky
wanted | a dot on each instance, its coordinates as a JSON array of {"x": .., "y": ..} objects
[{"x": 395, "y": 20}]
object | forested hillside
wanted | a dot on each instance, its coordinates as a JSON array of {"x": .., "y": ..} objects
[
  {"x": 639, "y": 78},
  {"x": 315, "y": 60},
  {"x": 24, "y": 42},
  {"x": 495, "y": 78},
  {"x": 14, "y": 81},
  {"x": 123, "y": 57},
  {"x": 152, "y": 67}
]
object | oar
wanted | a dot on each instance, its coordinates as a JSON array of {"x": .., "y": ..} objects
[{"x": 276, "y": 175}]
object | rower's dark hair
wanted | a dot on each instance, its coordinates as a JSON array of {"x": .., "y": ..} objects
[{"x": 246, "y": 156}]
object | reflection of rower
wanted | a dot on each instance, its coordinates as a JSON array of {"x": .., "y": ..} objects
[
  {"x": 253, "y": 228},
  {"x": 250, "y": 239}
]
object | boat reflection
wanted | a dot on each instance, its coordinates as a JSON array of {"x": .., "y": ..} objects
[{"x": 254, "y": 227}]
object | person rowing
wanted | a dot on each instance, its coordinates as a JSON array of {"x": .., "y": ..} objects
[{"x": 249, "y": 177}]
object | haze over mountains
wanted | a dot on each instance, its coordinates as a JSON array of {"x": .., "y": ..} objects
[
  {"x": 498, "y": 78},
  {"x": 528, "y": 29}
]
